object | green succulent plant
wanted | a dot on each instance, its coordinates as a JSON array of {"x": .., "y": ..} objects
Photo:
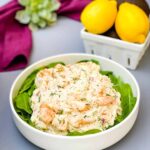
[{"x": 38, "y": 13}]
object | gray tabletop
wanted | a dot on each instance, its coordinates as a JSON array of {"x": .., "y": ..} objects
[{"x": 64, "y": 37}]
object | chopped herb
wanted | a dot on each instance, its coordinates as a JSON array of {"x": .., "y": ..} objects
[
  {"x": 83, "y": 99},
  {"x": 85, "y": 116},
  {"x": 39, "y": 98},
  {"x": 75, "y": 78},
  {"x": 60, "y": 112},
  {"x": 52, "y": 94},
  {"x": 59, "y": 86},
  {"x": 99, "y": 119}
]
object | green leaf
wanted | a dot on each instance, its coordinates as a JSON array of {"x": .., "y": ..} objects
[
  {"x": 33, "y": 26},
  {"x": 51, "y": 65},
  {"x": 30, "y": 91},
  {"x": 35, "y": 18},
  {"x": 53, "y": 18},
  {"x": 127, "y": 98},
  {"x": 24, "y": 2},
  {"x": 42, "y": 23},
  {"x": 25, "y": 117},
  {"x": 95, "y": 61},
  {"x": 107, "y": 73},
  {"x": 92, "y": 60},
  {"x": 22, "y": 103},
  {"x": 23, "y": 16},
  {"x": 76, "y": 133},
  {"x": 43, "y": 14},
  {"x": 54, "y": 5},
  {"x": 28, "y": 82}
]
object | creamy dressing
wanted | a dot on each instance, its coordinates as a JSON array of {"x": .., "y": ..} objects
[{"x": 74, "y": 97}]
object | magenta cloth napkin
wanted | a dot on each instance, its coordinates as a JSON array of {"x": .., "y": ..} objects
[
  {"x": 15, "y": 39},
  {"x": 72, "y": 8}
]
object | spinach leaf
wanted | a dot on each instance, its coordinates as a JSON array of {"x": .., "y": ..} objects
[
  {"x": 92, "y": 60},
  {"x": 95, "y": 61},
  {"x": 51, "y": 65},
  {"x": 22, "y": 103},
  {"x": 28, "y": 82},
  {"x": 107, "y": 73},
  {"x": 30, "y": 91},
  {"x": 76, "y": 133},
  {"x": 127, "y": 99},
  {"x": 24, "y": 116}
]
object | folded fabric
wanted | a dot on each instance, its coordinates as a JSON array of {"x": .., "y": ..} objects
[
  {"x": 72, "y": 8},
  {"x": 15, "y": 39}
]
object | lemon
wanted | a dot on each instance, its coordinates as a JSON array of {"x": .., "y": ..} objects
[
  {"x": 99, "y": 16},
  {"x": 132, "y": 23}
]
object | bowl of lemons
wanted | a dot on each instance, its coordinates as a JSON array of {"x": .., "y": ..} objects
[{"x": 118, "y": 31}]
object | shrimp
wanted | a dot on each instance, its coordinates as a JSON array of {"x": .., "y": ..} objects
[
  {"x": 83, "y": 122},
  {"x": 80, "y": 106},
  {"x": 106, "y": 100},
  {"x": 85, "y": 108},
  {"x": 46, "y": 113},
  {"x": 102, "y": 91}
]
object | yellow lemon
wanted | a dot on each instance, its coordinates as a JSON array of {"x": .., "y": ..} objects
[
  {"x": 99, "y": 16},
  {"x": 132, "y": 24}
]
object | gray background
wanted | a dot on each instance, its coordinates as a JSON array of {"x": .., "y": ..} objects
[{"x": 64, "y": 37}]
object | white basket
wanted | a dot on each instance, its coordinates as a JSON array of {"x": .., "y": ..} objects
[{"x": 126, "y": 53}]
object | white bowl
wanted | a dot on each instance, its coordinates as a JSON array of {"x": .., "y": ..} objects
[
  {"x": 126, "y": 53},
  {"x": 89, "y": 142}
]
